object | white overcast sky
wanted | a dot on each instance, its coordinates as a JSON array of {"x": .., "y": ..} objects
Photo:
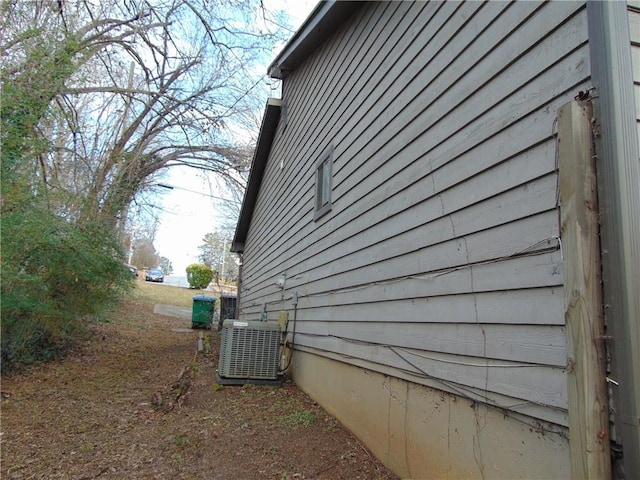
[{"x": 187, "y": 216}]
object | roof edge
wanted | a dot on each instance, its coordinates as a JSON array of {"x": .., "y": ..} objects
[
  {"x": 268, "y": 128},
  {"x": 323, "y": 21}
]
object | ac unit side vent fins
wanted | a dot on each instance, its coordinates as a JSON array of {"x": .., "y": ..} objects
[{"x": 250, "y": 350}]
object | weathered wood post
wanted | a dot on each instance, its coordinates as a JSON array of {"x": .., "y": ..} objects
[{"x": 586, "y": 361}]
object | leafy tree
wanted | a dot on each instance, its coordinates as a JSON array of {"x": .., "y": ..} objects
[
  {"x": 215, "y": 252},
  {"x": 211, "y": 250},
  {"x": 199, "y": 275}
]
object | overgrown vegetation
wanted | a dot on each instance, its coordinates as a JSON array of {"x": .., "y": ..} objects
[
  {"x": 55, "y": 275},
  {"x": 56, "y": 271},
  {"x": 98, "y": 100}
]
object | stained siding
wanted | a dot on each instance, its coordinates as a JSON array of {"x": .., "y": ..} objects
[{"x": 440, "y": 260}]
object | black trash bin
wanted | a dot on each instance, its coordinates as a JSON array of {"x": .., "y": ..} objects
[
  {"x": 228, "y": 303},
  {"x": 202, "y": 312}
]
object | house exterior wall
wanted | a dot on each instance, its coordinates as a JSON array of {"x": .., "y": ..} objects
[
  {"x": 439, "y": 267},
  {"x": 628, "y": 432},
  {"x": 634, "y": 29},
  {"x": 420, "y": 432}
]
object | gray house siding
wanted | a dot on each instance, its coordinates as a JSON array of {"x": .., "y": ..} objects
[
  {"x": 629, "y": 435},
  {"x": 634, "y": 30},
  {"x": 440, "y": 261},
  {"x": 615, "y": 37}
]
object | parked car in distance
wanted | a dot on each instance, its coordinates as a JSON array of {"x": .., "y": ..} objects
[
  {"x": 154, "y": 275},
  {"x": 132, "y": 269}
]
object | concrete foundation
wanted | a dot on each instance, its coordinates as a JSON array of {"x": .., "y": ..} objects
[{"x": 422, "y": 433}]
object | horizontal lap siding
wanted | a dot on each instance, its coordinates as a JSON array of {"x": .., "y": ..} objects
[
  {"x": 443, "y": 237},
  {"x": 290, "y": 193},
  {"x": 634, "y": 29}
]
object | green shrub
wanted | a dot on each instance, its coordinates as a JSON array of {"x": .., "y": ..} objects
[
  {"x": 199, "y": 275},
  {"x": 55, "y": 275}
]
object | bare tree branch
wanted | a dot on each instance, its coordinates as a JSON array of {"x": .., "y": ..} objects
[{"x": 131, "y": 88}]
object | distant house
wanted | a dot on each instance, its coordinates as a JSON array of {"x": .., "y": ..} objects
[{"x": 420, "y": 206}]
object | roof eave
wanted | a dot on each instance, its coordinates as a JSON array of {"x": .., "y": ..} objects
[
  {"x": 321, "y": 23},
  {"x": 268, "y": 127}
]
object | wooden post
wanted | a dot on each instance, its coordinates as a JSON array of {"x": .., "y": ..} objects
[{"x": 586, "y": 361}]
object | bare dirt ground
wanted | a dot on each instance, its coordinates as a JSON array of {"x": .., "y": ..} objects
[{"x": 116, "y": 409}]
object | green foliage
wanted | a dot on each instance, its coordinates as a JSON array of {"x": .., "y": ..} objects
[
  {"x": 215, "y": 252},
  {"x": 301, "y": 418},
  {"x": 181, "y": 440},
  {"x": 292, "y": 413},
  {"x": 199, "y": 275},
  {"x": 212, "y": 249},
  {"x": 27, "y": 93},
  {"x": 55, "y": 274}
]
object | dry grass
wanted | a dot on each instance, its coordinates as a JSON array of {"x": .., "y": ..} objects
[
  {"x": 107, "y": 412},
  {"x": 168, "y": 295}
]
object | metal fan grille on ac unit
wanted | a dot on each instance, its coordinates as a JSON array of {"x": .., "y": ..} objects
[{"x": 249, "y": 350}]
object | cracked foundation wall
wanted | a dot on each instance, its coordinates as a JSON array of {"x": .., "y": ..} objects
[{"x": 420, "y": 432}]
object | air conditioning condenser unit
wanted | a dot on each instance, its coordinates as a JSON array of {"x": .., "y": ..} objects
[{"x": 249, "y": 353}]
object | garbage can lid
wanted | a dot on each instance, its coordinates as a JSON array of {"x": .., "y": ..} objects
[{"x": 204, "y": 298}]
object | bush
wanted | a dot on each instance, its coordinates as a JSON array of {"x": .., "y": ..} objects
[
  {"x": 55, "y": 275},
  {"x": 199, "y": 275}
]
